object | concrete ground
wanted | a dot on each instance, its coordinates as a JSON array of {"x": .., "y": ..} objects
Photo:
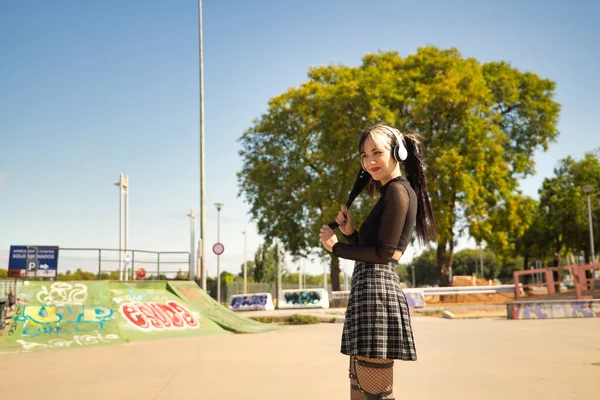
[{"x": 458, "y": 359}]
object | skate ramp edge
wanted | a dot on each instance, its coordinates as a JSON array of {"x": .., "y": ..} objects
[
  {"x": 75, "y": 314},
  {"x": 209, "y": 308}
]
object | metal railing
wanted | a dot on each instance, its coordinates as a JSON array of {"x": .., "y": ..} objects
[
  {"x": 106, "y": 263},
  {"x": 583, "y": 285}
]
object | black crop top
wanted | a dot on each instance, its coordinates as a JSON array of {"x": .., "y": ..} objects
[{"x": 386, "y": 229}]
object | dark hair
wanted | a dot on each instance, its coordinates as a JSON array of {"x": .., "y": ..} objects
[{"x": 414, "y": 169}]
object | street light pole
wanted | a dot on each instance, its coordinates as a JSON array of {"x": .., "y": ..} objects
[
  {"x": 245, "y": 232},
  {"x": 192, "y": 273},
  {"x": 123, "y": 185},
  {"x": 588, "y": 189},
  {"x": 202, "y": 209},
  {"x": 219, "y": 207}
]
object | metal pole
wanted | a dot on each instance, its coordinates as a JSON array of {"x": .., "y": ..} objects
[
  {"x": 202, "y": 209},
  {"x": 120, "y": 185},
  {"x": 414, "y": 277},
  {"x": 126, "y": 227},
  {"x": 278, "y": 266},
  {"x": 591, "y": 230},
  {"x": 325, "y": 277},
  {"x": 300, "y": 275},
  {"x": 192, "y": 269},
  {"x": 219, "y": 206},
  {"x": 245, "y": 262},
  {"x": 345, "y": 276},
  {"x": 481, "y": 259}
]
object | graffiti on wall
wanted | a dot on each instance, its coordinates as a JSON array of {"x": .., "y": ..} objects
[
  {"x": 156, "y": 316},
  {"x": 543, "y": 310},
  {"x": 61, "y": 320},
  {"x": 254, "y": 301},
  {"x": 62, "y": 313},
  {"x": 63, "y": 293},
  {"x": 78, "y": 340},
  {"x": 302, "y": 297}
]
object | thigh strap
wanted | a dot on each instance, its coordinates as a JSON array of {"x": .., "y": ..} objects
[{"x": 369, "y": 364}]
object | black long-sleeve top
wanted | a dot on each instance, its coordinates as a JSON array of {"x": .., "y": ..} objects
[{"x": 386, "y": 229}]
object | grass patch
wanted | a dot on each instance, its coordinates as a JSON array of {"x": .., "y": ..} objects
[
  {"x": 598, "y": 364},
  {"x": 264, "y": 320},
  {"x": 297, "y": 319}
]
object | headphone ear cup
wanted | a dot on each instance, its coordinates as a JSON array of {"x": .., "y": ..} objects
[{"x": 401, "y": 152}]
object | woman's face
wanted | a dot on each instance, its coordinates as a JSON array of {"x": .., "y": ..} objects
[{"x": 377, "y": 158}]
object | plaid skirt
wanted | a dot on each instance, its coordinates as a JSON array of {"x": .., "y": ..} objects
[{"x": 377, "y": 323}]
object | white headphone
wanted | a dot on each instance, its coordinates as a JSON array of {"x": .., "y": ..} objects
[{"x": 399, "y": 151}]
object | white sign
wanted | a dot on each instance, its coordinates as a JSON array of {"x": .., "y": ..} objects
[{"x": 218, "y": 249}]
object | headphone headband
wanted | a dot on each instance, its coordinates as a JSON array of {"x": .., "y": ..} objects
[{"x": 399, "y": 152}]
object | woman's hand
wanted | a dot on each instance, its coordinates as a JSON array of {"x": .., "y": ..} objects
[
  {"x": 345, "y": 221},
  {"x": 327, "y": 237}
]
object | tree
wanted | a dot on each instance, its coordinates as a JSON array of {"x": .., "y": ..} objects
[
  {"x": 264, "y": 261},
  {"x": 481, "y": 124},
  {"x": 426, "y": 268},
  {"x": 468, "y": 262},
  {"x": 3, "y": 273},
  {"x": 250, "y": 266},
  {"x": 563, "y": 208}
]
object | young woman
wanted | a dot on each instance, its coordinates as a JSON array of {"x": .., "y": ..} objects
[{"x": 377, "y": 328}]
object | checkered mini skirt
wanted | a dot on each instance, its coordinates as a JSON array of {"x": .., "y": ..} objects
[{"x": 377, "y": 323}]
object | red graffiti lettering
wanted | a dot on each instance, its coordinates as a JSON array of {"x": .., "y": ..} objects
[
  {"x": 150, "y": 315},
  {"x": 161, "y": 315},
  {"x": 133, "y": 314},
  {"x": 185, "y": 313},
  {"x": 174, "y": 317},
  {"x": 156, "y": 316}
]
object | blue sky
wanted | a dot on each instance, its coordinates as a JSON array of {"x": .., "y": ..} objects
[{"x": 89, "y": 90}]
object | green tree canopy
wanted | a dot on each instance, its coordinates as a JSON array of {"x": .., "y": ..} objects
[
  {"x": 563, "y": 226},
  {"x": 265, "y": 264},
  {"x": 249, "y": 270},
  {"x": 481, "y": 123}
]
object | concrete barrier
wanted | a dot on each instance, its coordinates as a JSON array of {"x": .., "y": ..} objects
[
  {"x": 415, "y": 298},
  {"x": 303, "y": 298},
  {"x": 339, "y": 299},
  {"x": 553, "y": 309},
  {"x": 251, "y": 301}
]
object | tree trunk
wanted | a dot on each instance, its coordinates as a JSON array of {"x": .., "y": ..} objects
[
  {"x": 335, "y": 273},
  {"x": 445, "y": 253}
]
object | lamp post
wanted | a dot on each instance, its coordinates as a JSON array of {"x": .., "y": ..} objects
[
  {"x": 587, "y": 189},
  {"x": 245, "y": 232},
  {"x": 192, "y": 272},
  {"x": 203, "y": 271},
  {"x": 123, "y": 185},
  {"x": 219, "y": 207}
]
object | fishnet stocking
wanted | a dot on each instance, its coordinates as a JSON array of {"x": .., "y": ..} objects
[
  {"x": 355, "y": 393},
  {"x": 371, "y": 380}
]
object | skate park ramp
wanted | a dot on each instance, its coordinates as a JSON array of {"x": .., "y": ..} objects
[
  {"x": 227, "y": 319},
  {"x": 73, "y": 314}
]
